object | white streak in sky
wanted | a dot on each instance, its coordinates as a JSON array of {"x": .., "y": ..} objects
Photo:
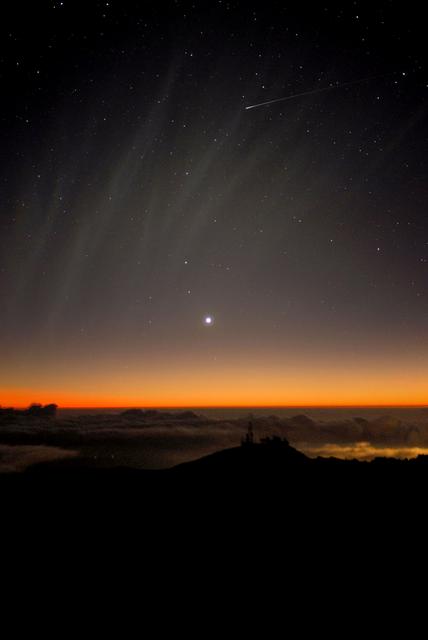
[{"x": 307, "y": 93}]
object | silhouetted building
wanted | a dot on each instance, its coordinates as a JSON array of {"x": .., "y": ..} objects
[{"x": 275, "y": 442}]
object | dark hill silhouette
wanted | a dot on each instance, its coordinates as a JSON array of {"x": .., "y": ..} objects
[
  {"x": 257, "y": 482},
  {"x": 270, "y": 456}
]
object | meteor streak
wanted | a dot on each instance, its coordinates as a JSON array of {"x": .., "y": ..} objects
[{"x": 308, "y": 93}]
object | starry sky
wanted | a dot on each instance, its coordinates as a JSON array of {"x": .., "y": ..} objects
[{"x": 139, "y": 197}]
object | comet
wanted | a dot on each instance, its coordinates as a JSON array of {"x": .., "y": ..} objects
[{"x": 313, "y": 91}]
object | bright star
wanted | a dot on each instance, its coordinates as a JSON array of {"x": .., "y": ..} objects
[{"x": 208, "y": 320}]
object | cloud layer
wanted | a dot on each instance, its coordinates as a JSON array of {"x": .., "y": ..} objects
[{"x": 159, "y": 441}]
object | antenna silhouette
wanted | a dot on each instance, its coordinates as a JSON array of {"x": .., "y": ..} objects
[{"x": 248, "y": 440}]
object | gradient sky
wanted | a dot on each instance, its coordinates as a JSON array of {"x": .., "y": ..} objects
[{"x": 138, "y": 196}]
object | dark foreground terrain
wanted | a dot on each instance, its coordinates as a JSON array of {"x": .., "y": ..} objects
[
  {"x": 253, "y": 482},
  {"x": 264, "y": 501},
  {"x": 253, "y": 473}
]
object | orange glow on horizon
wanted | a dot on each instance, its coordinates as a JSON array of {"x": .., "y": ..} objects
[
  {"x": 210, "y": 384},
  {"x": 22, "y": 398}
]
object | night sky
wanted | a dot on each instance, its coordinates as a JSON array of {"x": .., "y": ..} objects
[{"x": 138, "y": 197}]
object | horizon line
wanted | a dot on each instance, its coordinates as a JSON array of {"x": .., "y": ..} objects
[{"x": 252, "y": 406}]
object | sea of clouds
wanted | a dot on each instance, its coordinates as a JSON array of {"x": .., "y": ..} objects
[{"x": 160, "y": 441}]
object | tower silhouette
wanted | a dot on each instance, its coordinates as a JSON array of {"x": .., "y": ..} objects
[{"x": 248, "y": 440}]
